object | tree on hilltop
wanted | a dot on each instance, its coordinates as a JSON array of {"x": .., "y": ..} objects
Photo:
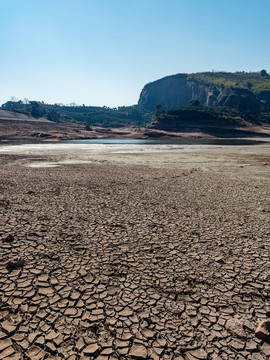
[
  {"x": 263, "y": 73},
  {"x": 194, "y": 102}
]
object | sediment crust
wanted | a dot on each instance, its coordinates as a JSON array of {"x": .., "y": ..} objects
[{"x": 134, "y": 255}]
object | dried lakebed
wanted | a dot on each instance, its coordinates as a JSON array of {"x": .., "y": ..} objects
[{"x": 129, "y": 254}]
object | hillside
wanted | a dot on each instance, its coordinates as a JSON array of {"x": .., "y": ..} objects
[
  {"x": 206, "y": 121},
  {"x": 81, "y": 114},
  {"x": 16, "y": 116},
  {"x": 18, "y": 126},
  {"x": 246, "y": 92}
]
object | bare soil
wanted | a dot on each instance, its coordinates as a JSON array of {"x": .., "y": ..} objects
[{"x": 129, "y": 254}]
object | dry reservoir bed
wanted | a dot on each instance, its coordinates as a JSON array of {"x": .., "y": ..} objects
[{"x": 134, "y": 255}]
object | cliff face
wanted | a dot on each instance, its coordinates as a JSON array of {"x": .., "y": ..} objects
[
  {"x": 168, "y": 92},
  {"x": 177, "y": 90}
]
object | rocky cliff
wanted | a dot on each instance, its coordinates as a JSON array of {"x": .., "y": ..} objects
[{"x": 241, "y": 91}]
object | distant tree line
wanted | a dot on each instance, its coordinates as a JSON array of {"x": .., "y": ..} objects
[
  {"x": 89, "y": 115},
  {"x": 216, "y": 114}
]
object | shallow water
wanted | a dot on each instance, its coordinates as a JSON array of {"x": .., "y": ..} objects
[
  {"x": 197, "y": 141},
  {"x": 84, "y": 147}
]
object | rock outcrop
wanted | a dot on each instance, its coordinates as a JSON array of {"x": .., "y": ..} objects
[{"x": 177, "y": 90}]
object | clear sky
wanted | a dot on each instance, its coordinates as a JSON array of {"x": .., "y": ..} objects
[{"x": 102, "y": 52}]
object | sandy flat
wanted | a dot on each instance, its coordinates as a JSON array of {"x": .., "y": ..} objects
[
  {"x": 134, "y": 252},
  {"x": 240, "y": 160}
]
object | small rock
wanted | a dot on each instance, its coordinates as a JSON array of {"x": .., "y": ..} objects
[
  {"x": 235, "y": 326},
  {"x": 263, "y": 330},
  {"x": 8, "y": 238},
  {"x": 14, "y": 264}
]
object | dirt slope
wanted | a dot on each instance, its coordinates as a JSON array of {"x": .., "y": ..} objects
[{"x": 10, "y": 115}]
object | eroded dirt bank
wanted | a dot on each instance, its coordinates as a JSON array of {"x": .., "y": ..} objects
[
  {"x": 159, "y": 255},
  {"x": 44, "y": 130}
]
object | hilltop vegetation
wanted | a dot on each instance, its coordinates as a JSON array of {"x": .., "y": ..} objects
[{"x": 257, "y": 82}]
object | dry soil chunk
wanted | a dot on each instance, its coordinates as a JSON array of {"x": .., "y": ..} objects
[
  {"x": 197, "y": 354},
  {"x": 8, "y": 327},
  {"x": 91, "y": 349},
  {"x": 138, "y": 352}
]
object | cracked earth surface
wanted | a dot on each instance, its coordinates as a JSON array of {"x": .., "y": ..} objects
[{"x": 132, "y": 262}]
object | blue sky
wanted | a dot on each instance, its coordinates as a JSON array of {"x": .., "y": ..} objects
[{"x": 102, "y": 52}]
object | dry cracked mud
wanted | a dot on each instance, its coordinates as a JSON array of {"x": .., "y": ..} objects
[{"x": 122, "y": 261}]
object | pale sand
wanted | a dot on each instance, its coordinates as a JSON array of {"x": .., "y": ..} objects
[{"x": 239, "y": 160}]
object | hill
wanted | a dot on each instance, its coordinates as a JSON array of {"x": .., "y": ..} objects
[{"x": 246, "y": 92}]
